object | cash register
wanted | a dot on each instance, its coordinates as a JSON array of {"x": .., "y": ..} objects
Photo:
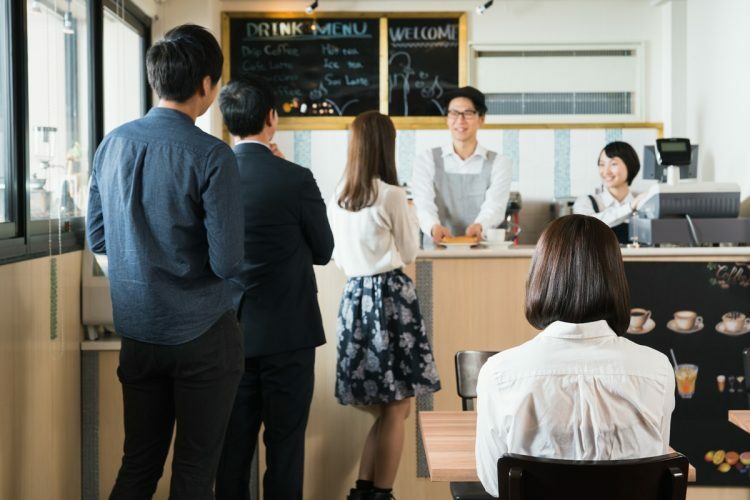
[{"x": 679, "y": 212}]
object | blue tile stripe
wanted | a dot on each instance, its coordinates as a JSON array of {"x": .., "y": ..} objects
[
  {"x": 562, "y": 163},
  {"x": 511, "y": 149},
  {"x": 405, "y": 154},
  {"x": 303, "y": 148},
  {"x": 612, "y": 135}
]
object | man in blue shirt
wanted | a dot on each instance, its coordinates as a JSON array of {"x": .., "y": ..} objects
[{"x": 165, "y": 207}]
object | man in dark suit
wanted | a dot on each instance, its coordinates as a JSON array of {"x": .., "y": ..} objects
[{"x": 286, "y": 232}]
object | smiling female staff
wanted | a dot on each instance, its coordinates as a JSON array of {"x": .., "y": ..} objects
[
  {"x": 613, "y": 203},
  {"x": 461, "y": 188}
]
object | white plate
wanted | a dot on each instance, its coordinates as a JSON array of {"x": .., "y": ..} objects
[
  {"x": 458, "y": 246},
  {"x": 672, "y": 325},
  {"x": 721, "y": 329},
  {"x": 647, "y": 327}
]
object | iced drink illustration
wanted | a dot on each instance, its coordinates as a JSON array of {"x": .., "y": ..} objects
[{"x": 686, "y": 375}]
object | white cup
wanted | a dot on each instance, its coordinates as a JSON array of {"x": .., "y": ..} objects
[
  {"x": 735, "y": 321},
  {"x": 494, "y": 235},
  {"x": 688, "y": 320}
]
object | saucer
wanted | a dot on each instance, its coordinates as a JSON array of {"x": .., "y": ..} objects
[
  {"x": 722, "y": 329},
  {"x": 672, "y": 325},
  {"x": 496, "y": 244},
  {"x": 647, "y": 327}
]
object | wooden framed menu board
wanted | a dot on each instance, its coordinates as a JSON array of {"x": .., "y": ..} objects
[
  {"x": 328, "y": 68},
  {"x": 423, "y": 63}
]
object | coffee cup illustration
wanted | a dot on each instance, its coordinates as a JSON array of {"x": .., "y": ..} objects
[
  {"x": 688, "y": 320},
  {"x": 638, "y": 318},
  {"x": 735, "y": 321}
]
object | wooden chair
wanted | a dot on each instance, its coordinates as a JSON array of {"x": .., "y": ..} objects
[
  {"x": 654, "y": 478},
  {"x": 468, "y": 364}
]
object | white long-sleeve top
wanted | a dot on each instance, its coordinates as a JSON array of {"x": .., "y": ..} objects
[
  {"x": 376, "y": 239},
  {"x": 496, "y": 199},
  {"x": 576, "y": 392},
  {"x": 611, "y": 212}
]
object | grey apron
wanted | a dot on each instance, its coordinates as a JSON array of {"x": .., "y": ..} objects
[{"x": 459, "y": 197}]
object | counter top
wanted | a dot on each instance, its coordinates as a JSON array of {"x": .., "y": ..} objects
[{"x": 482, "y": 252}]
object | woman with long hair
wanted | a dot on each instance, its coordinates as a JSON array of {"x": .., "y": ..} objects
[{"x": 384, "y": 356}]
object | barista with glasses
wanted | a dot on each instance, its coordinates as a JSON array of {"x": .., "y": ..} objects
[
  {"x": 614, "y": 203},
  {"x": 461, "y": 188}
]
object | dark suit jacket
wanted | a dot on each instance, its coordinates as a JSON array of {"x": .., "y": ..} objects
[{"x": 286, "y": 232}]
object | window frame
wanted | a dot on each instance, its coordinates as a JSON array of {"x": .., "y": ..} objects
[{"x": 22, "y": 238}]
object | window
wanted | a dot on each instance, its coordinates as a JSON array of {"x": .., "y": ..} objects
[
  {"x": 125, "y": 33},
  {"x": 52, "y": 111},
  {"x": 58, "y": 148},
  {"x": 5, "y": 119}
]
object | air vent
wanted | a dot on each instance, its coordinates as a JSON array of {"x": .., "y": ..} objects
[
  {"x": 566, "y": 103},
  {"x": 590, "y": 82}
]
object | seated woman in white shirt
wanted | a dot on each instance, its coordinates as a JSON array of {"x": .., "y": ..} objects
[
  {"x": 578, "y": 390},
  {"x": 613, "y": 203},
  {"x": 384, "y": 357}
]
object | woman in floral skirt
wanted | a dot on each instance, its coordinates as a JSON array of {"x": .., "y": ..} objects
[{"x": 384, "y": 356}]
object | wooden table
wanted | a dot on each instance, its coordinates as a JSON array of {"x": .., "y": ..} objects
[
  {"x": 740, "y": 418},
  {"x": 449, "y": 437}
]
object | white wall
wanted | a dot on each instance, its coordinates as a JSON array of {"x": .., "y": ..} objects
[{"x": 718, "y": 95}]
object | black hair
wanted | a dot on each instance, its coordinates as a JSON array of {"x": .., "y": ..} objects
[
  {"x": 245, "y": 103},
  {"x": 474, "y": 95},
  {"x": 177, "y": 64},
  {"x": 627, "y": 154},
  {"x": 577, "y": 275}
]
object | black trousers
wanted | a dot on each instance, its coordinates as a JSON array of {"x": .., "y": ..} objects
[
  {"x": 193, "y": 384},
  {"x": 275, "y": 390}
]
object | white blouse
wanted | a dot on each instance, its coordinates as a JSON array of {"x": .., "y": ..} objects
[
  {"x": 376, "y": 239},
  {"x": 611, "y": 211},
  {"x": 576, "y": 392}
]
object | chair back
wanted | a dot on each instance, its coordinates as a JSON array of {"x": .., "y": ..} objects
[
  {"x": 468, "y": 364},
  {"x": 654, "y": 478},
  {"x": 746, "y": 364}
]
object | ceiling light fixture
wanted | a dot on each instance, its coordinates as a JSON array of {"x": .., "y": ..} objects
[
  {"x": 310, "y": 8},
  {"x": 482, "y": 7}
]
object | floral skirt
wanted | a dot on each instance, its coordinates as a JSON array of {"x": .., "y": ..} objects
[{"x": 383, "y": 351}]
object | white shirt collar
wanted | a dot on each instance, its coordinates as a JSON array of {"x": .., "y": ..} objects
[
  {"x": 480, "y": 151},
  {"x": 251, "y": 141},
  {"x": 563, "y": 330},
  {"x": 610, "y": 200}
]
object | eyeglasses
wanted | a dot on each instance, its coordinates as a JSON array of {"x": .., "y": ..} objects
[{"x": 468, "y": 114}]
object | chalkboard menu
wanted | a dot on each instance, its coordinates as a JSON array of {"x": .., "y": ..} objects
[
  {"x": 319, "y": 67},
  {"x": 422, "y": 65}
]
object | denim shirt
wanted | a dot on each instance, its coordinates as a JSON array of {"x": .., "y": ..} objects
[{"x": 165, "y": 207}]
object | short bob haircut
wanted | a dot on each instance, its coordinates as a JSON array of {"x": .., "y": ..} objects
[
  {"x": 245, "y": 103},
  {"x": 577, "y": 276},
  {"x": 627, "y": 154},
  {"x": 177, "y": 64}
]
